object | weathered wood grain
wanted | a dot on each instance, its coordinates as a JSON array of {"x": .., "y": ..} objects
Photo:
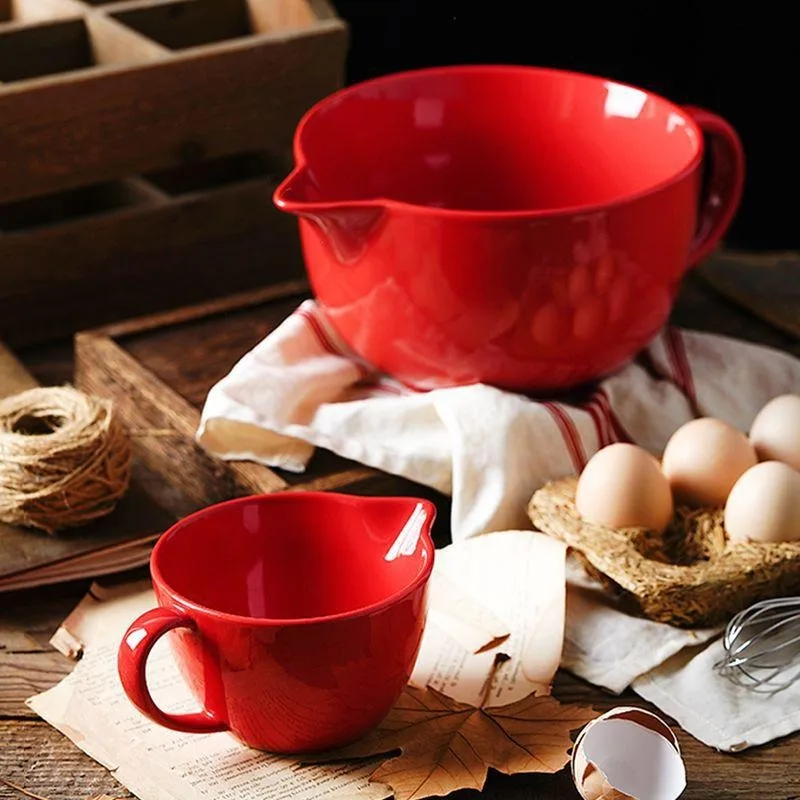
[
  {"x": 40, "y": 759},
  {"x": 13, "y": 375},
  {"x": 702, "y": 308},
  {"x": 28, "y": 664},
  {"x": 132, "y": 253},
  {"x": 94, "y": 94},
  {"x": 23, "y": 675},
  {"x": 769, "y": 288},
  {"x": 246, "y": 94},
  {"x": 158, "y": 371},
  {"x": 22, "y": 551},
  {"x": 44, "y": 48},
  {"x": 163, "y": 426}
]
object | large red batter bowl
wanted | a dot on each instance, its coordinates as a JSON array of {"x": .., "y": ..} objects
[{"x": 526, "y": 228}]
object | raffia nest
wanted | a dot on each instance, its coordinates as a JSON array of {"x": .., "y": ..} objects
[{"x": 689, "y": 576}]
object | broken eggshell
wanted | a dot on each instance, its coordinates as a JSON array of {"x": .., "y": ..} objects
[{"x": 628, "y": 754}]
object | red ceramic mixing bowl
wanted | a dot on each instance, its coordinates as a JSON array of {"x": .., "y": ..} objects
[{"x": 522, "y": 227}]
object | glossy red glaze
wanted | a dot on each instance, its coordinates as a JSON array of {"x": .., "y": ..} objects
[
  {"x": 522, "y": 227},
  {"x": 296, "y": 617}
]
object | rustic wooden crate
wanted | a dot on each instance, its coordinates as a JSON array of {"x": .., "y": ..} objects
[
  {"x": 158, "y": 370},
  {"x": 140, "y": 143}
]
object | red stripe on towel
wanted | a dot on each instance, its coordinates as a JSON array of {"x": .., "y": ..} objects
[
  {"x": 601, "y": 422},
  {"x": 327, "y": 342},
  {"x": 679, "y": 362},
  {"x": 620, "y": 433},
  {"x": 569, "y": 433},
  {"x": 366, "y": 373}
]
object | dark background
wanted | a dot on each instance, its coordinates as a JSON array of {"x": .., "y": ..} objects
[{"x": 741, "y": 64}]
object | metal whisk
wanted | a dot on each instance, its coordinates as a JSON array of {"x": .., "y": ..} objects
[{"x": 762, "y": 645}]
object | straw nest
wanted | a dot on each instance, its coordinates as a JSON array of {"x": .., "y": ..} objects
[{"x": 689, "y": 576}]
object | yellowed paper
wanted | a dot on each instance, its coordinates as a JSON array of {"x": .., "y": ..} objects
[
  {"x": 519, "y": 578},
  {"x": 87, "y": 622},
  {"x": 90, "y": 708},
  {"x": 497, "y": 593},
  {"x": 456, "y": 611}
]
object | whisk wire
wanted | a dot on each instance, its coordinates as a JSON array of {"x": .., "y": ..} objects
[{"x": 762, "y": 645}]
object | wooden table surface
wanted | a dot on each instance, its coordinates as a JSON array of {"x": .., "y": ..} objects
[{"x": 37, "y": 758}]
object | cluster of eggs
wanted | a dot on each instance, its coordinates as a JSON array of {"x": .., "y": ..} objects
[{"x": 706, "y": 464}]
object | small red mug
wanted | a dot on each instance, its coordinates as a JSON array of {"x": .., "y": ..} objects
[{"x": 295, "y": 617}]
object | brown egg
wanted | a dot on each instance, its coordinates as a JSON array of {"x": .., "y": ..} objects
[
  {"x": 764, "y": 505},
  {"x": 775, "y": 433},
  {"x": 703, "y": 459},
  {"x": 623, "y": 487}
]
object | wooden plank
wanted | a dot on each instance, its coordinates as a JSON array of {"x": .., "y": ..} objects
[
  {"x": 14, "y": 377},
  {"x": 163, "y": 426},
  {"x": 180, "y": 24},
  {"x": 700, "y": 307},
  {"x": 23, "y": 675},
  {"x": 141, "y": 258},
  {"x": 249, "y": 96},
  {"x": 766, "y": 287},
  {"x": 28, "y": 664},
  {"x": 296, "y": 290},
  {"x": 25, "y": 11},
  {"x": 113, "y": 43},
  {"x": 40, "y": 759},
  {"x": 136, "y": 516},
  {"x": 44, "y": 48},
  {"x": 266, "y": 15},
  {"x": 158, "y": 371}
]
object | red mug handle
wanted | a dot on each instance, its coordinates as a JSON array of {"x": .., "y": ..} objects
[
  {"x": 725, "y": 184},
  {"x": 131, "y": 664}
]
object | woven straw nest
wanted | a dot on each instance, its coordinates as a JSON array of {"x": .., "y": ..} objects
[{"x": 689, "y": 576}]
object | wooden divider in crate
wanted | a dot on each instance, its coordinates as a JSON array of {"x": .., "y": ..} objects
[{"x": 140, "y": 143}]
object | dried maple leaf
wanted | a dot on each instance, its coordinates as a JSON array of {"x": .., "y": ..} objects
[{"x": 445, "y": 745}]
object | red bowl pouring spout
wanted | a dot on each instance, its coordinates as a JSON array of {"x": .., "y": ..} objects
[{"x": 521, "y": 227}]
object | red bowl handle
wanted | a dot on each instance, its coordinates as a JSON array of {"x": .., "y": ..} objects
[
  {"x": 726, "y": 181},
  {"x": 132, "y": 661}
]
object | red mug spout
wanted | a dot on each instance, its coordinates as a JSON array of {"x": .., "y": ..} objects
[{"x": 347, "y": 226}]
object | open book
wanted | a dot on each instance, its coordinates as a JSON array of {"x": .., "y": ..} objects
[{"x": 121, "y": 541}]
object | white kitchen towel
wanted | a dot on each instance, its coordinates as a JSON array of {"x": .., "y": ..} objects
[
  {"x": 720, "y": 713},
  {"x": 608, "y": 647},
  {"x": 301, "y": 388},
  {"x": 673, "y": 669}
]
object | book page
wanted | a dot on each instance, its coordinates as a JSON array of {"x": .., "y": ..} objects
[
  {"x": 90, "y": 707},
  {"x": 519, "y": 578}
]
